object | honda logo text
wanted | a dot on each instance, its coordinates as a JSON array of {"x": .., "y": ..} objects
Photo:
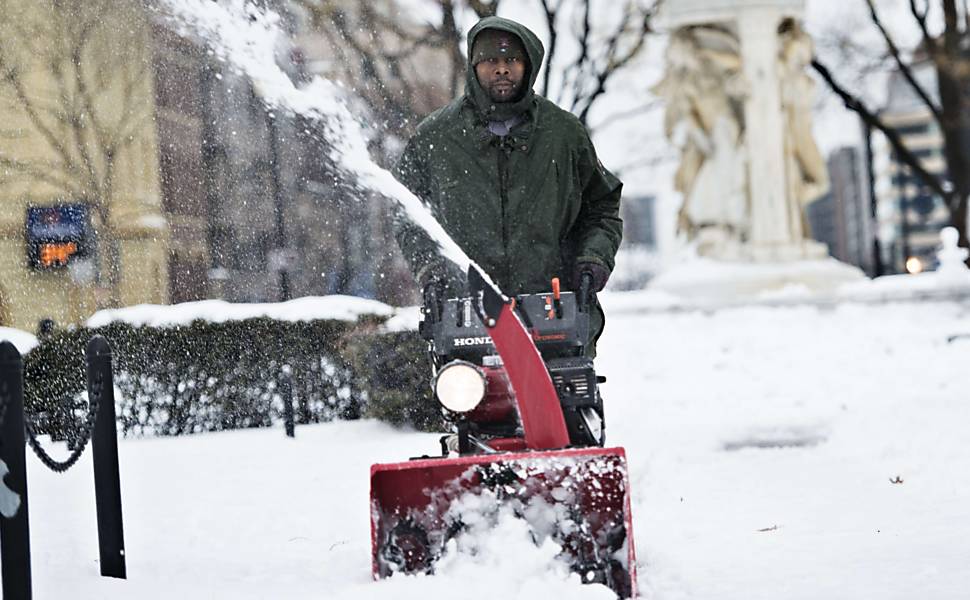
[{"x": 473, "y": 341}]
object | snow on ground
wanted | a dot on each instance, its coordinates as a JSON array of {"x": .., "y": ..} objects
[
  {"x": 761, "y": 445},
  {"x": 22, "y": 340},
  {"x": 763, "y": 441}
]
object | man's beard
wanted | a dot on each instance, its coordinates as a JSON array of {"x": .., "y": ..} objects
[{"x": 504, "y": 94}]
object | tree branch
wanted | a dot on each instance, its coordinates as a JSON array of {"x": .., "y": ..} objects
[
  {"x": 614, "y": 62},
  {"x": 627, "y": 114},
  {"x": 76, "y": 32},
  {"x": 854, "y": 104},
  {"x": 449, "y": 32},
  {"x": 76, "y": 123},
  {"x": 371, "y": 71},
  {"x": 583, "y": 60},
  {"x": 951, "y": 32},
  {"x": 551, "y": 12},
  {"x": 585, "y": 31},
  {"x": 649, "y": 160},
  {"x": 920, "y": 17},
  {"x": 484, "y": 8},
  {"x": 10, "y": 75},
  {"x": 44, "y": 171},
  {"x": 131, "y": 120},
  {"x": 904, "y": 68}
]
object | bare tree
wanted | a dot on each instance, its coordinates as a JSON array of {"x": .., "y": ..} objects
[
  {"x": 71, "y": 72},
  {"x": 948, "y": 51},
  {"x": 401, "y": 70},
  {"x": 404, "y": 70},
  {"x": 601, "y": 53}
]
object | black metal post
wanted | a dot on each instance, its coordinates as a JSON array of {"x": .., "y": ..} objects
[
  {"x": 104, "y": 448},
  {"x": 15, "y": 531},
  {"x": 286, "y": 393}
]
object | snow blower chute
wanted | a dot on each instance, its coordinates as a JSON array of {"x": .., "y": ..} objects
[{"x": 529, "y": 432}]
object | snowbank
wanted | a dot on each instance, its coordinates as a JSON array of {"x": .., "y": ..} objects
[
  {"x": 24, "y": 341},
  {"x": 903, "y": 287},
  {"x": 705, "y": 284},
  {"x": 344, "y": 308}
]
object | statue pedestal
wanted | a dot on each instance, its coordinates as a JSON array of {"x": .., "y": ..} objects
[
  {"x": 717, "y": 244},
  {"x": 714, "y": 281},
  {"x": 789, "y": 251}
]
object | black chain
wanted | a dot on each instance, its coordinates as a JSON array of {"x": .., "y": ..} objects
[{"x": 58, "y": 466}]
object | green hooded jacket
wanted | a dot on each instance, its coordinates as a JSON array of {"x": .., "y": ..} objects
[{"x": 526, "y": 206}]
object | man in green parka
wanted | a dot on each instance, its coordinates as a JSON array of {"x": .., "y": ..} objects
[{"x": 513, "y": 178}]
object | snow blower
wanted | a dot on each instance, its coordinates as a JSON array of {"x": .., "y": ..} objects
[{"x": 513, "y": 377}]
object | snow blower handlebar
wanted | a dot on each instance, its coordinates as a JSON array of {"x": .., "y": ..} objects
[{"x": 535, "y": 394}]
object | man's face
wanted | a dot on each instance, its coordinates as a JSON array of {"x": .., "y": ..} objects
[{"x": 501, "y": 77}]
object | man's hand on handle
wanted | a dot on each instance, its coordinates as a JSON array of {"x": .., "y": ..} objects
[{"x": 598, "y": 274}]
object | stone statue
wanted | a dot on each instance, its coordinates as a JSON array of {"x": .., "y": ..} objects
[
  {"x": 738, "y": 107},
  {"x": 739, "y": 101},
  {"x": 806, "y": 172},
  {"x": 704, "y": 90}
]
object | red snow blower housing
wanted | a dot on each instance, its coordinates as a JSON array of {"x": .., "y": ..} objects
[{"x": 513, "y": 378}]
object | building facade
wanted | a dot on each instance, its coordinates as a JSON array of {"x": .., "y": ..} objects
[
  {"x": 258, "y": 213},
  {"x": 637, "y": 260},
  {"x": 81, "y": 223},
  {"x": 909, "y": 215},
  {"x": 171, "y": 181},
  {"x": 639, "y": 222}
]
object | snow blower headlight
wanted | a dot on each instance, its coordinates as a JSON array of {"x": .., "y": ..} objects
[{"x": 460, "y": 386}]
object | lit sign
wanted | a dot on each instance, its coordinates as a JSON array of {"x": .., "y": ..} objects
[
  {"x": 56, "y": 254},
  {"x": 57, "y": 234}
]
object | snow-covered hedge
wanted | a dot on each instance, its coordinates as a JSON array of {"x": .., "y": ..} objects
[
  {"x": 396, "y": 378},
  {"x": 210, "y": 376}
]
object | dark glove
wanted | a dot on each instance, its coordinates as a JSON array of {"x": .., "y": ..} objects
[
  {"x": 445, "y": 278},
  {"x": 433, "y": 290},
  {"x": 598, "y": 272}
]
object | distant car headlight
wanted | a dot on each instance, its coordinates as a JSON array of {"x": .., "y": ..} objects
[{"x": 459, "y": 386}]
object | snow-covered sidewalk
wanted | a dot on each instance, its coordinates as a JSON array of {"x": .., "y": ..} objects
[{"x": 761, "y": 441}]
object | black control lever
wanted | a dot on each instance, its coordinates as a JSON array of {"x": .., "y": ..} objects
[
  {"x": 432, "y": 303},
  {"x": 432, "y": 309},
  {"x": 491, "y": 300}
]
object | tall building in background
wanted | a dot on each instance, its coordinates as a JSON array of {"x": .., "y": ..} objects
[
  {"x": 637, "y": 261},
  {"x": 639, "y": 222},
  {"x": 842, "y": 217},
  {"x": 823, "y": 221},
  {"x": 910, "y": 216},
  {"x": 179, "y": 68},
  {"x": 257, "y": 211}
]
